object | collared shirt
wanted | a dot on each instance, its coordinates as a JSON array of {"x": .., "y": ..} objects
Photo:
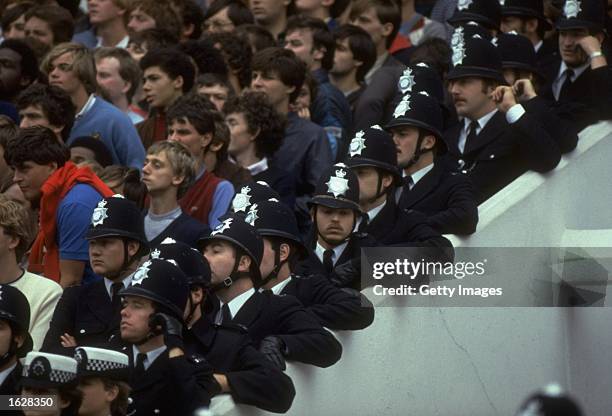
[
  {"x": 560, "y": 80},
  {"x": 278, "y": 288},
  {"x": 109, "y": 284},
  {"x": 258, "y": 167},
  {"x": 482, "y": 122},
  {"x": 234, "y": 305},
  {"x": 123, "y": 43},
  {"x": 319, "y": 250},
  {"x": 151, "y": 355},
  {"x": 90, "y": 102},
  {"x": 371, "y": 214},
  {"x": 5, "y": 373},
  {"x": 377, "y": 65},
  {"x": 416, "y": 176},
  {"x": 538, "y": 45}
]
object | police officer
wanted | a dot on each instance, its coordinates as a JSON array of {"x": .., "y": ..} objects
[
  {"x": 251, "y": 193},
  {"x": 486, "y": 13},
  {"x": 238, "y": 367},
  {"x": 15, "y": 341},
  {"x": 447, "y": 198},
  {"x": 163, "y": 380},
  {"x": 333, "y": 307},
  {"x": 89, "y": 314},
  {"x": 278, "y": 325},
  {"x": 550, "y": 401}
]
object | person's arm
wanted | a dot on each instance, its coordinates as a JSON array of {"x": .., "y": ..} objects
[
  {"x": 41, "y": 316},
  {"x": 127, "y": 143},
  {"x": 62, "y": 321},
  {"x": 71, "y": 272},
  {"x": 73, "y": 220},
  {"x": 222, "y": 198},
  {"x": 460, "y": 214}
]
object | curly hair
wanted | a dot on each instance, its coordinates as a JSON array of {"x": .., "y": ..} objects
[
  {"x": 237, "y": 52},
  {"x": 36, "y": 144},
  {"x": 199, "y": 111},
  {"x": 260, "y": 116},
  {"x": 207, "y": 58},
  {"x": 15, "y": 222}
]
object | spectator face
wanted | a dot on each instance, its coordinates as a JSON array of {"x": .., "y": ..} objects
[
  {"x": 469, "y": 97},
  {"x": 344, "y": 62},
  {"x": 31, "y": 176},
  {"x": 300, "y": 42},
  {"x": 10, "y": 74},
  {"x": 217, "y": 94},
  {"x": 135, "y": 318},
  {"x": 103, "y": 11},
  {"x": 272, "y": 86},
  {"x": 157, "y": 174},
  {"x": 304, "y": 99},
  {"x": 266, "y": 12},
  {"x": 571, "y": 52},
  {"x": 405, "y": 139},
  {"x": 159, "y": 89},
  {"x": 33, "y": 115},
  {"x": 40, "y": 30},
  {"x": 140, "y": 21},
  {"x": 368, "y": 21},
  {"x": 334, "y": 225},
  {"x": 219, "y": 22},
  {"x": 110, "y": 82},
  {"x": 96, "y": 398},
  {"x": 183, "y": 131},
  {"x": 240, "y": 137},
  {"x": 16, "y": 30},
  {"x": 106, "y": 255},
  {"x": 80, "y": 154},
  {"x": 61, "y": 74},
  {"x": 368, "y": 184},
  {"x": 221, "y": 256}
]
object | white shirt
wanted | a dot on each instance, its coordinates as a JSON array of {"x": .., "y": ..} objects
[
  {"x": 123, "y": 43},
  {"x": 5, "y": 373},
  {"x": 319, "y": 250},
  {"x": 234, "y": 305},
  {"x": 371, "y": 215},
  {"x": 90, "y": 102},
  {"x": 512, "y": 116},
  {"x": 151, "y": 355},
  {"x": 278, "y": 288},
  {"x": 538, "y": 45},
  {"x": 258, "y": 167},
  {"x": 416, "y": 176},
  {"x": 109, "y": 284},
  {"x": 560, "y": 80}
]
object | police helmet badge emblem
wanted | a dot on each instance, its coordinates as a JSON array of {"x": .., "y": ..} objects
[
  {"x": 457, "y": 37},
  {"x": 402, "y": 107},
  {"x": 251, "y": 215},
  {"x": 338, "y": 185},
  {"x": 155, "y": 254},
  {"x": 572, "y": 8},
  {"x": 406, "y": 81},
  {"x": 226, "y": 224},
  {"x": 464, "y": 4},
  {"x": 40, "y": 367},
  {"x": 242, "y": 200},
  {"x": 141, "y": 273},
  {"x": 99, "y": 213},
  {"x": 81, "y": 358},
  {"x": 357, "y": 144}
]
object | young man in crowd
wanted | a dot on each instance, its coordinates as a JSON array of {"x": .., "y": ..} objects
[
  {"x": 20, "y": 69},
  {"x": 71, "y": 67},
  {"x": 191, "y": 122},
  {"x": 310, "y": 40},
  {"x": 89, "y": 314},
  {"x": 47, "y": 106},
  {"x": 107, "y": 18},
  {"x": 305, "y": 150},
  {"x": 152, "y": 14},
  {"x": 163, "y": 379},
  {"x": 118, "y": 77},
  {"x": 48, "y": 26},
  {"x": 278, "y": 325},
  {"x": 67, "y": 196},
  {"x": 215, "y": 88},
  {"x": 333, "y": 307},
  {"x": 271, "y": 15},
  {"x": 167, "y": 75},
  {"x": 226, "y": 16},
  {"x": 42, "y": 294},
  {"x": 498, "y": 140},
  {"x": 168, "y": 173},
  {"x": 354, "y": 55}
]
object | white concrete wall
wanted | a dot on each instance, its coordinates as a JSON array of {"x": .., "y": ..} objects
[{"x": 483, "y": 361}]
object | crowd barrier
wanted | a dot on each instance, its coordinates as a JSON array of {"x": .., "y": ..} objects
[{"x": 430, "y": 361}]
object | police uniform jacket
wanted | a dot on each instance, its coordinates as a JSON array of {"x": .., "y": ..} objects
[
  {"x": 10, "y": 387},
  {"x": 555, "y": 121},
  {"x": 265, "y": 314},
  {"x": 501, "y": 153},
  {"x": 251, "y": 376}
]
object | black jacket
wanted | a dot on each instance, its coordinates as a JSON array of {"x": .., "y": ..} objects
[
  {"x": 252, "y": 378},
  {"x": 334, "y": 308},
  {"x": 10, "y": 387},
  {"x": 557, "y": 124},
  {"x": 502, "y": 152},
  {"x": 447, "y": 199},
  {"x": 265, "y": 314}
]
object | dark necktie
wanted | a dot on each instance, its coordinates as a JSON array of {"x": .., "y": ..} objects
[
  {"x": 139, "y": 368},
  {"x": 328, "y": 264},
  {"x": 567, "y": 84},
  {"x": 408, "y": 182},
  {"x": 226, "y": 314},
  {"x": 116, "y": 299},
  {"x": 472, "y": 135},
  {"x": 364, "y": 223}
]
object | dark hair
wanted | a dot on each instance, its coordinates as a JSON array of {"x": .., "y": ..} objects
[
  {"x": 166, "y": 16},
  {"x": 14, "y": 13},
  {"x": 133, "y": 188},
  {"x": 156, "y": 38},
  {"x": 195, "y": 109},
  {"x": 361, "y": 45},
  {"x": 173, "y": 62},
  {"x": 54, "y": 102},
  {"x": 284, "y": 64},
  {"x": 210, "y": 80},
  {"x": 387, "y": 11},
  {"x": 192, "y": 14},
  {"x": 36, "y": 144},
  {"x": 207, "y": 58},
  {"x": 101, "y": 153},
  {"x": 312, "y": 84},
  {"x": 295, "y": 253},
  {"x": 128, "y": 67},
  {"x": 29, "y": 63},
  {"x": 259, "y": 38},
  {"x": 8, "y": 130},
  {"x": 118, "y": 406},
  {"x": 237, "y": 11},
  {"x": 70, "y": 393},
  {"x": 434, "y": 52},
  {"x": 259, "y": 115},
  {"x": 237, "y": 52},
  {"x": 321, "y": 37},
  {"x": 59, "y": 20},
  {"x": 338, "y": 7}
]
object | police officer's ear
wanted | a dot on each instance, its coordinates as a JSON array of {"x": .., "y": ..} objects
[
  {"x": 285, "y": 251},
  {"x": 205, "y": 141},
  {"x": 133, "y": 247},
  {"x": 428, "y": 142},
  {"x": 244, "y": 265},
  {"x": 531, "y": 25},
  {"x": 387, "y": 180},
  {"x": 19, "y": 339},
  {"x": 111, "y": 391}
]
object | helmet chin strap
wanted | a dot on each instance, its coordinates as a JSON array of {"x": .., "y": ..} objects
[
  {"x": 277, "y": 264},
  {"x": 127, "y": 260},
  {"x": 418, "y": 151},
  {"x": 229, "y": 280}
]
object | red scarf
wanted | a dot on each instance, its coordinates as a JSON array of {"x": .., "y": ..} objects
[{"x": 44, "y": 256}]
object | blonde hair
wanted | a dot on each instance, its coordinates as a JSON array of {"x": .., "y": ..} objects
[
  {"x": 83, "y": 63},
  {"x": 15, "y": 221},
  {"x": 180, "y": 159}
]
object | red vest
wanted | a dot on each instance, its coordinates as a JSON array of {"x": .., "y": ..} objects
[{"x": 198, "y": 200}]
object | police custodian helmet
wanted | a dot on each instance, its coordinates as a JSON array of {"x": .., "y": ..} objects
[{"x": 15, "y": 308}]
